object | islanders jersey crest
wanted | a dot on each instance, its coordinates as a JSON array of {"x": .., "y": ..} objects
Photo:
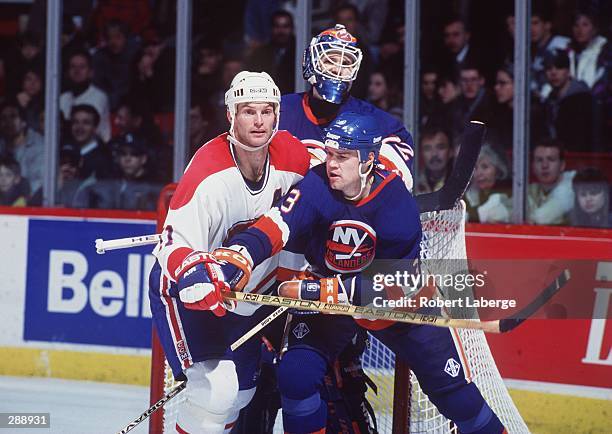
[{"x": 350, "y": 246}]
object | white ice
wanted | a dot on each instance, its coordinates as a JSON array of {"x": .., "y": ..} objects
[{"x": 76, "y": 407}]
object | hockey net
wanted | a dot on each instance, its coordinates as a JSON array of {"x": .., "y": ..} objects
[{"x": 400, "y": 405}]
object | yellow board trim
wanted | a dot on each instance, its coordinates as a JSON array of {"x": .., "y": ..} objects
[
  {"x": 75, "y": 365},
  {"x": 547, "y": 413}
]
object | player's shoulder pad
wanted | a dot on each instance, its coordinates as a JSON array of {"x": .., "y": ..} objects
[
  {"x": 314, "y": 186},
  {"x": 288, "y": 153},
  {"x": 213, "y": 157},
  {"x": 393, "y": 191},
  {"x": 390, "y": 124}
]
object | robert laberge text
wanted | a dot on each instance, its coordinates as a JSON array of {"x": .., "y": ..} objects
[{"x": 420, "y": 302}]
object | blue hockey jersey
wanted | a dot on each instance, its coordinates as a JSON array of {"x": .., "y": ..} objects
[
  {"x": 397, "y": 151},
  {"x": 336, "y": 235}
]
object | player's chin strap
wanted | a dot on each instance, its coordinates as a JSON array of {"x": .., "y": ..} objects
[{"x": 363, "y": 178}]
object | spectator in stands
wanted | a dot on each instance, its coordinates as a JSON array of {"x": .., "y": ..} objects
[
  {"x": 592, "y": 203},
  {"x": 459, "y": 51},
  {"x": 206, "y": 78},
  {"x": 347, "y": 14},
  {"x": 24, "y": 144},
  {"x": 277, "y": 57},
  {"x": 84, "y": 120},
  {"x": 550, "y": 197},
  {"x": 113, "y": 62},
  {"x": 488, "y": 198},
  {"x": 201, "y": 126},
  {"x": 568, "y": 107},
  {"x": 429, "y": 101},
  {"x": 82, "y": 91},
  {"x": 590, "y": 58},
  {"x": 72, "y": 190},
  {"x": 257, "y": 15},
  {"x": 384, "y": 95},
  {"x": 29, "y": 55},
  {"x": 437, "y": 155},
  {"x": 475, "y": 101},
  {"x": 544, "y": 43},
  {"x": 134, "y": 189},
  {"x": 31, "y": 98},
  {"x": 136, "y": 14},
  {"x": 448, "y": 91},
  {"x": 11, "y": 193},
  {"x": 134, "y": 117},
  {"x": 590, "y": 53},
  {"x": 153, "y": 75},
  {"x": 499, "y": 120}
]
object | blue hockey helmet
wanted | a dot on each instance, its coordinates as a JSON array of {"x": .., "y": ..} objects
[
  {"x": 331, "y": 63},
  {"x": 357, "y": 132}
]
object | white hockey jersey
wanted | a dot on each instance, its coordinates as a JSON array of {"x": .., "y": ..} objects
[{"x": 213, "y": 201}]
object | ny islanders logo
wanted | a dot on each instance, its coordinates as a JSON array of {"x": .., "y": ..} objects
[{"x": 350, "y": 246}]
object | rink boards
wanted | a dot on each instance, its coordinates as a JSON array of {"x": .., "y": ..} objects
[{"x": 67, "y": 311}]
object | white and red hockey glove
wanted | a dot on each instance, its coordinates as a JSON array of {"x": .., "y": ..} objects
[{"x": 202, "y": 277}]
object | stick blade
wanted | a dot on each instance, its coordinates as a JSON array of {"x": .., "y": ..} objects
[{"x": 518, "y": 318}]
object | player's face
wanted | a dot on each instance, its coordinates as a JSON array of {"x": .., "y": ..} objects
[
  {"x": 485, "y": 173},
  {"x": 590, "y": 200},
  {"x": 337, "y": 64},
  {"x": 436, "y": 152},
  {"x": 254, "y": 123},
  {"x": 547, "y": 164},
  {"x": 343, "y": 171}
]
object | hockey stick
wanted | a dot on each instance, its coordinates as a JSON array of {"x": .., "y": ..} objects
[
  {"x": 167, "y": 397},
  {"x": 494, "y": 326},
  {"x": 122, "y": 243},
  {"x": 267, "y": 320},
  {"x": 456, "y": 184}
]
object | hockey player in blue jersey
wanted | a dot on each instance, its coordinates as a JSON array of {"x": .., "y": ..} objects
[
  {"x": 330, "y": 65},
  {"x": 341, "y": 216}
]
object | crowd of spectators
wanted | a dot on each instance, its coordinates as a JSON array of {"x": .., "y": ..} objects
[{"x": 117, "y": 95}]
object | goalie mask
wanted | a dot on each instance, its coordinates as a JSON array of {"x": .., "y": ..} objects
[
  {"x": 257, "y": 87},
  {"x": 356, "y": 132},
  {"x": 331, "y": 63}
]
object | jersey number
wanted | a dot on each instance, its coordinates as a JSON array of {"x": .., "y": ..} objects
[{"x": 290, "y": 200}]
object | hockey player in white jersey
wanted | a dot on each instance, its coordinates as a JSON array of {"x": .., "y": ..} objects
[{"x": 231, "y": 181}]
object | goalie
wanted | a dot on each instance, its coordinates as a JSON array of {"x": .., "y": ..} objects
[{"x": 341, "y": 216}]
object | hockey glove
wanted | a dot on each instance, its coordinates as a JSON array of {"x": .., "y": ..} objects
[
  {"x": 236, "y": 267},
  {"x": 200, "y": 283}
]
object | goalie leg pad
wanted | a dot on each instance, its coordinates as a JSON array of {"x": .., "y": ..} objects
[
  {"x": 300, "y": 378},
  {"x": 212, "y": 389},
  {"x": 466, "y": 407}
]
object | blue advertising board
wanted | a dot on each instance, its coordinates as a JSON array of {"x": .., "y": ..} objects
[{"x": 74, "y": 295}]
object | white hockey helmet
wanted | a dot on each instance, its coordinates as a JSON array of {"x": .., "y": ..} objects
[{"x": 251, "y": 87}]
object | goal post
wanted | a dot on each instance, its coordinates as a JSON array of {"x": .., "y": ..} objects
[{"x": 400, "y": 405}]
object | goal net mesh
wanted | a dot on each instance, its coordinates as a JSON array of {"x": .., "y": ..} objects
[{"x": 443, "y": 246}]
